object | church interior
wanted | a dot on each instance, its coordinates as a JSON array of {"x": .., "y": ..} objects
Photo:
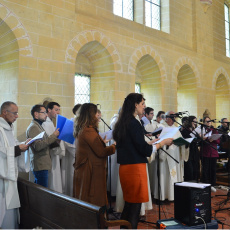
[{"x": 99, "y": 51}]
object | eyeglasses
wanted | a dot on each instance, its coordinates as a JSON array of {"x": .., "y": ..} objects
[
  {"x": 43, "y": 112},
  {"x": 15, "y": 113}
]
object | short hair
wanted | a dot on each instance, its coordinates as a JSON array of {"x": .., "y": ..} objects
[
  {"x": 222, "y": 120},
  {"x": 148, "y": 110},
  {"x": 75, "y": 108},
  {"x": 160, "y": 113},
  {"x": 36, "y": 108},
  {"x": 51, "y": 105},
  {"x": 5, "y": 105}
]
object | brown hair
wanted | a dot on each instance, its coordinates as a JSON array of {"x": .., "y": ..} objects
[
  {"x": 125, "y": 116},
  {"x": 86, "y": 118}
]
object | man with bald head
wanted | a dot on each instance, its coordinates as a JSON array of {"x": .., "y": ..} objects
[
  {"x": 10, "y": 152},
  {"x": 170, "y": 171}
]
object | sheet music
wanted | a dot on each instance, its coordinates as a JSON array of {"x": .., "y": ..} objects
[
  {"x": 167, "y": 132},
  {"x": 38, "y": 137},
  {"x": 157, "y": 130},
  {"x": 145, "y": 120},
  {"x": 198, "y": 131},
  {"x": 209, "y": 134},
  {"x": 108, "y": 134},
  {"x": 215, "y": 136},
  {"x": 189, "y": 139}
]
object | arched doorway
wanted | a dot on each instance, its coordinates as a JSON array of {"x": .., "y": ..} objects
[
  {"x": 148, "y": 74},
  {"x": 94, "y": 60},
  {"x": 187, "y": 90},
  {"x": 222, "y": 98},
  {"x": 9, "y": 59}
]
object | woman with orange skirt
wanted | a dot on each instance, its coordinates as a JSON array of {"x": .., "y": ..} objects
[{"x": 132, "y": 153}]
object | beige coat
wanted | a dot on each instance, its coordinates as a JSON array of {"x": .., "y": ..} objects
[
  {"x": 39, "y": 150},
  {"x": 90, "y": 167}
]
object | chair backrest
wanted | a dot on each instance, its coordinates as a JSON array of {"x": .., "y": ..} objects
[{"x": 41, "y": 207}]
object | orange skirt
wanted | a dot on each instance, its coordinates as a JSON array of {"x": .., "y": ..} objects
[{"x": 134, "y": 184}]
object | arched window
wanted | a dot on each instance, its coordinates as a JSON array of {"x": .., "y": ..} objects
[
  {"x": 123, "y": 8},
  {"x": 226, "y": 19},
  {"x": 153, "y": 14},
  {"x": 137, "y": 87},
  {"x": 82, "y": 88}
]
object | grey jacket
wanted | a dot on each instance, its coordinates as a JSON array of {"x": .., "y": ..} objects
[{"x": 39, "y": 150}]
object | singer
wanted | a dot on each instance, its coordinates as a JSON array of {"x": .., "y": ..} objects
[
  {"x": 192, "y": 165},
  {"x": 170, "y": 171},
  {"x": 89, "y": 182},
  {"x": 132, "y": 151},
  {"x": 209, "y": 156}
]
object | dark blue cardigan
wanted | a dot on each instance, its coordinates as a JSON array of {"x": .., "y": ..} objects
[{"x": 134, "y": 148}]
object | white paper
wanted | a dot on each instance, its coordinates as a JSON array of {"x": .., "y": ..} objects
[
  {"x": 145, "y": 120},
  {"x": 193, "y": 185},
  {"x": 167, "y": 132},
  {"x": 215, "y": 136},
  {"x": 39, "y": 136},
  {"x": 108, "y": 134},
  {"x": 156, "y": 130},
  {"x": 198, "y": 131},
  {"x": 221, "y": 153},
  {"x": 189, "y": 139},
  {"x": 209, "y": 134}
]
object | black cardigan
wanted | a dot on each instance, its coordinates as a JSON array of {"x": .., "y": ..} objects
[{"x": 134, "y": 148}]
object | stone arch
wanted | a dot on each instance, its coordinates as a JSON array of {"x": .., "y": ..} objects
[
  {"x": 89, "y": 36},
  {"x": 148, "y": 74},
  {"x": 142, "y": 51},
  {"x": 94, "y": 59},
  {"x": 218, "y": 72},
  {"x": 221, "y": 86},
  {"x": 22, "y": 37},
  {"x": 147, "y": 52},
  {"x": 187, "y": 90},
  {"x": 185, "y": 61}
]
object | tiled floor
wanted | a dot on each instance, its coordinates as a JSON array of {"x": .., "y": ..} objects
[{"x": 167, "y": 211}]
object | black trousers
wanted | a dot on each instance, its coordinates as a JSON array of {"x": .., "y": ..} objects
[
  {"x": 131, "y": 213},
  {"x": 209, "y": 170},
  {"x": 191, "y": 170}
]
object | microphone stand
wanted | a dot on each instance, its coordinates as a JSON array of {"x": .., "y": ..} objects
[
  {"x": 105, "y": 123},
  {"x": 110, "y": 210},
  {"x": 158, "y": 174}
]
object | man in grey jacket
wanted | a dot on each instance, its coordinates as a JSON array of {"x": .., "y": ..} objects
[{"x": 40, "y": 149}]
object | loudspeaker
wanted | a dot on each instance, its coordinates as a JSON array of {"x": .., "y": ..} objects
[{"x": 191, "y": 204}]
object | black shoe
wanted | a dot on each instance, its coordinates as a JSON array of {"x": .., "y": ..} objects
[{"x": 157, "y": 201}]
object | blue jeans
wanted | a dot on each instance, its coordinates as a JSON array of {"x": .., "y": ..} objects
[{"x": 41, "y": 177}]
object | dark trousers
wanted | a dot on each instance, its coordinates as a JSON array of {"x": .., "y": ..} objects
[
  {"x": 131, "y": 213},
  {"x": 191, "y": 170},
  {"x": 209, "y": 170}
]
